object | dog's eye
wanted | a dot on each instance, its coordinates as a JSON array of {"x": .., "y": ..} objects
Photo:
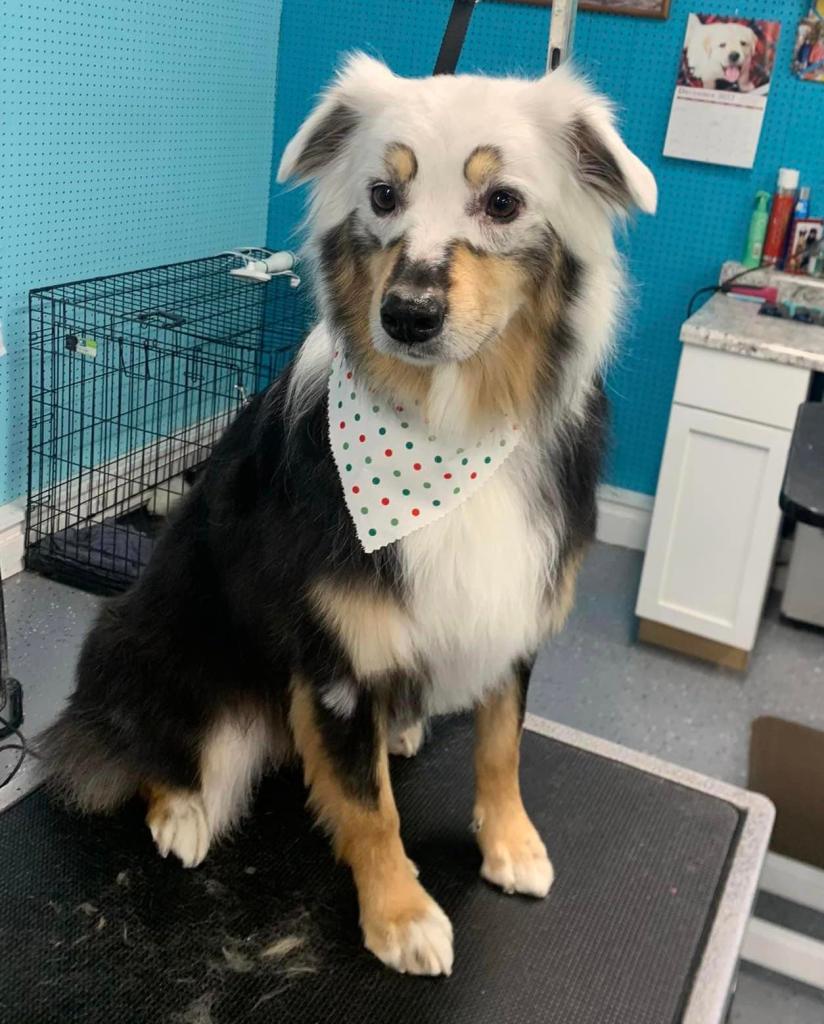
[
  {"x": 502, "y": 205},
  {"x": 384, "y": 199}
]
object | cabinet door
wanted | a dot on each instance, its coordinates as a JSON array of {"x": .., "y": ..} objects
[{"x": 714, "y": 526}]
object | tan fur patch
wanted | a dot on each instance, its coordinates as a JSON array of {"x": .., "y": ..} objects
[
  {"x": 371, "y": 628},
  {"x": 482, "y": 166},
  {"x": 357, "y": 286},
  {"x": 509, "y": 372},
  {"x": 563, "y": 595},
  {"x": 514, "y": 855},
  {"x": 366, "y": 838},
  {"x": 401, "y": 163}
]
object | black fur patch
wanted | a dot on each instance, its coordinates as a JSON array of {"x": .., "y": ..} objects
[
  {"x": 418, "y": 275},
  {"x": 353, "y": 746},
  {"x": 326, "y": 140},
  {"x": 597, "y": 167}
]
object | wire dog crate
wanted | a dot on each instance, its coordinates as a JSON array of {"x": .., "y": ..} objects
[{"x": 133, "y": 378}]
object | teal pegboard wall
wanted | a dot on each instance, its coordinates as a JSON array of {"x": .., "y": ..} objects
[
  {"x": 704, "y": 210},
  {"x": 134, "y": 132}
]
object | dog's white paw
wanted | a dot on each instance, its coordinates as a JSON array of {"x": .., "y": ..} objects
[
  {"x": 178, "y": 825},
  {"x": 515, "y": 857},
  {"x": 420, "y": 944},
  {"x": 406, "y": 742}
]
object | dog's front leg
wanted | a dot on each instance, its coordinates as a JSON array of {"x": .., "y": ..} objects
[
  {"x": 347, "y": 770},
  {"x": 514, "y": 857}
]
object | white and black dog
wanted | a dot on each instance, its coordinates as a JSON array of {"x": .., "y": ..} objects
[{"x": 461, "y": 229}]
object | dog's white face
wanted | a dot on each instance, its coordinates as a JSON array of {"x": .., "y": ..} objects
[
  {"x": 721, "y": 51},
  {"x": 458, "y": 197}
]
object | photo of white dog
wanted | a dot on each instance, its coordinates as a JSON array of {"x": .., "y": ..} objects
[{"x": 720, "y": 55}]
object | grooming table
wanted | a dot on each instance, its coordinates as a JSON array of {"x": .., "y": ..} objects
[{"x": 656, "y": 872}]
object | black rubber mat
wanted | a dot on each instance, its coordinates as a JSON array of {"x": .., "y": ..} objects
[{"x": 95, "y": 928}]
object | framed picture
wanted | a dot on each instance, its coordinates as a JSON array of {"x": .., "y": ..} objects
[{"x": 635, "y": 8}]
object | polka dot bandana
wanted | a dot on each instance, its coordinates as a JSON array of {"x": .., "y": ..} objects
[{"x": 397, "y": 476}]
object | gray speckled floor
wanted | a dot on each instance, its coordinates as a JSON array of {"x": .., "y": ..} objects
[{"x": 593, "y": 677}]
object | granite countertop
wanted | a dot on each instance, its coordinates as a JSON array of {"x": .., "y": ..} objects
[{"x": 735, "y": 326}]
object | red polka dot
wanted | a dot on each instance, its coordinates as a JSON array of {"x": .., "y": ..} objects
[
  {"x": 416, "y": 511},
  {"x": 399, "y": 408},
  {"x": 472, "y": 476},
  {"x": 356, "y": 490},
  {"x": 342, "y": 424},
  {"x": 388, "y": 453},
  {"x": 447, "y": 476},
  {"x": 336, "y": 355},
  {"x": 349, "y": 375},
  {"x": 417, "y": 467},
  {"x": 362, "y": 438},
  {"x": 384, "y": 501}
]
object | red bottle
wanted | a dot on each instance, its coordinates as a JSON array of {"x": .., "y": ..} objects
[{"x": 780, "y": 216}]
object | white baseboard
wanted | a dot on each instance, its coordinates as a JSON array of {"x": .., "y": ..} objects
[
  {"x": 12, "y": 525},
  {"x": 623, "y": 517}
]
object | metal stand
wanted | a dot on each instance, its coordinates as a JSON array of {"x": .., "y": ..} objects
[{"x": 11, "y": 694}]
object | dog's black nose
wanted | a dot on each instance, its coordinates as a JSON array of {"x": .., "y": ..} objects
[
  {"x": 734, "y": 57},
  {"x": 412, "y": 319}
]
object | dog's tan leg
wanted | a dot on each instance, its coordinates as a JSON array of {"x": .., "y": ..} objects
[
  {"x": 352, "y": 796},
  {"x": 514, "y": 857}
]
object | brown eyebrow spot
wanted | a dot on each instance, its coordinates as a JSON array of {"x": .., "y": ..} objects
[
  {"x": 482, "y": 164},
  {"x": 401, "y": 163}
]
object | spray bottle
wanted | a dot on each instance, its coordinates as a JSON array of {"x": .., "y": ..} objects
[{"x": 754, "y": 249}]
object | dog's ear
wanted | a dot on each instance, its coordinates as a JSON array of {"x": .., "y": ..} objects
[
  {"x": 360, "y": 86},
  {"x": 600, "y": 160}
]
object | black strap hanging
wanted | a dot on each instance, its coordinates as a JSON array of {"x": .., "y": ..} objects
[{"x": 453, "y": 37}]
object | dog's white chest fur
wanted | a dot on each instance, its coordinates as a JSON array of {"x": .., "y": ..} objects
[{"x": 477, "y": 582}]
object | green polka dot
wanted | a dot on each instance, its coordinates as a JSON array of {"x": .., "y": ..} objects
[
  {"x": 405, "y": 492},
  {"x": 488, "y": 459},
  {"x": 396, "y": 472},
  {"x": 357, "y": 416},
  {"x": 394, "y": 522},
  {"x": 427, "y": 485},
  {"x": 438, "y": 458},
  {"x": 404, "y": 425},
  {"x": 339, "y": 383},
  {"x": 409, "y": 445},
  {"x": 368, "y": 460},
  {"x": 381, "y": 431},
  {"x": 346, "y": 446},
  {"x": 503, "y": 442},
  {"x": 352, "y": 396},
  {"x": 376, "y": 408},
  {"x": 376, "y": 480},
  {"x": 348, "y": 467},
  {"x": 364, "y": 510},
  {"x": 431, "y": 437},
  {"x": 464, "y": 461},
  {"x": 436, "y": 502},
  {"x": 460, "y": 451},
  {"x": 340, "y": 405},
  {"x": 457, "y": 490},
  {"x": 372, "y": 532}
]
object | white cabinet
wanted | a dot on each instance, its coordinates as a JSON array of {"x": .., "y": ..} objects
[{"x": 716, "y": 516}]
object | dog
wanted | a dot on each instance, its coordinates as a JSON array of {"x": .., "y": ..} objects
[
  {"x": 720, "y": 55},
  {"x": 461, "y": 232}
]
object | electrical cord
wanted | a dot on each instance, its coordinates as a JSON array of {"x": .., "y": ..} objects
[
  {"x": 21, "y": 745},
  {"x": 723, "y": 287}
]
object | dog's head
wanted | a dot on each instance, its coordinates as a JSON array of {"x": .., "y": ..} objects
[
  {"x": 721, "y": 51},
  {"x": 446, "y": 211}
]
